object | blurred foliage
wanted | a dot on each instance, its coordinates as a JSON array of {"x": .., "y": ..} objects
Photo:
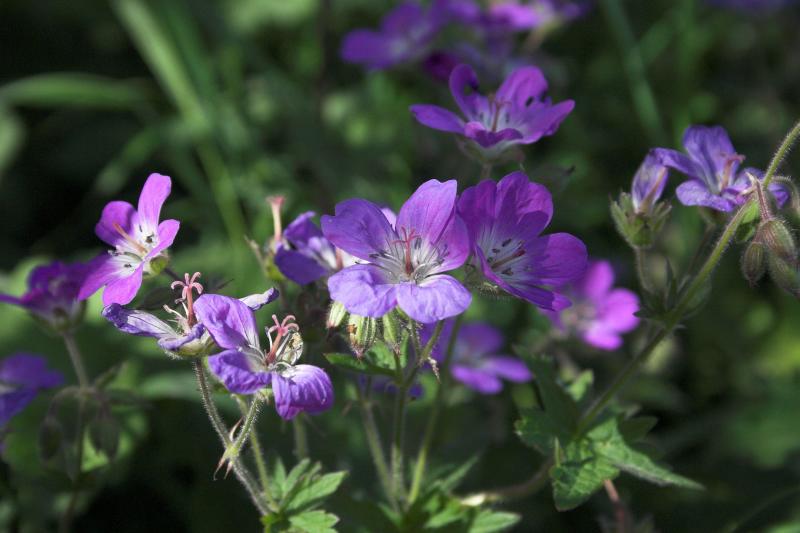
[{"x": 238, "y": 99}]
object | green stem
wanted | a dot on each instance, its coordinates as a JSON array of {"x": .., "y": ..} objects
[
  {"x": 781, "y": 153},
  {"x": 258, "y": 457},
  {"x": 300, "y": 438},
  {"x": 513, "y": 492},
  {"x": 69, "y": 512},
  {"x": 398, "y": 429},
  {"x": 77, "y": 360},
  {"x": 641, "y": 270},
  {"x": 247, "y": 427},
  {"x": 433, "y": 418},
  {"x": 644, "y": 101},
  {"x": 242, "y": 473},
  {"x": 374, "y": 441}
]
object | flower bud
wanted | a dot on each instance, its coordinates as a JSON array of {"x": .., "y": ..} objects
[
  {"x": 784, "y": 274},
  {"x": 754, "y": 262},
  {"x": 391, "y": 331},
  {"x": 336, "y": 315},
  {"x": 778, "y": 238},
  {"x": 362, "y": 332},
  {"x": 639, "y": 229}
]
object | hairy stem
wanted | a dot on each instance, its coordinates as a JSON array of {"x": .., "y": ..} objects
[
  {"x": 782, "y": 152},
  {"x": 374, "y": 441},
  {"x": 258, "y": 457},
  {"x": 77, "y": 360},
  {"x": 641, "y": 270},
  {"x": 300, "y": 437},
  {"x": 242, "y": 473},
  {"x": 433, "y": 418}
]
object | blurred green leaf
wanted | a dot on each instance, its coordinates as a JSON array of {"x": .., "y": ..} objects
[
  {"x": 65, "y": 89},
  {"x": 314, "y": 522},
  {"x": 490, "y": 521}
]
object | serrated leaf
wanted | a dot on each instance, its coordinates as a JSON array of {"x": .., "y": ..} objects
[
  {"x": 579, "y": 475},
  {"x": 539, "y": 430},
  {"x": 488, "y": 521},
  {"x": 454, "y": 478},
  {"x": 452, "y": 511},
  {"x": 365, "y": 365},
  {"x": 635, "y": 429},
  {"x": 314, "y": 522},
  {"x": 315, "y": 489}
]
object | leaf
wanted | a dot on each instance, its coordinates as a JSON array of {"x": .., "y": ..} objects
[
  {"x": 489, "y": 521},
  {"x": 63, "y": 89},
  {"x": 314, "y": 522},
  {"x": 315, "y": 489},
  {"x": 538, "y": 429},
  {"x": 581, "y": 386},
  {"x": 635, "y": 429},
  {"x": 365, "y": 365},
  {"x": 579, "y": 475},
  {"x": 557, "y": 403},
  {"x": 454, "y": 479}
]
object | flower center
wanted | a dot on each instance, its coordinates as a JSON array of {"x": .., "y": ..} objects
[
  {"x": 725, "y": 179},
  {"x": 410, "y": 258},
  {"x": 286, "y": 346},
  {"x": 503, "y": 257}
]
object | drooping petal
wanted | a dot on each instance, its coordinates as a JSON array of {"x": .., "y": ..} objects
[
  {"x": 477, "y": 379},
  {"x": 556, "y": 259},
  {"x": 523, "y": 87},
  {"x": 229, "y": 321},
  {"x": 233, "y": 369},
  {"x": 363, "y": 290},
  {"x": 437, "y": 298},
  {"x": 430, "y": 210},
  {"x": 359, "y": 228},
  {"x": 115, "y": 214},
  {"x": 301, "y": 388},
  {"x": 597, "y": 281},
  {"x": 507, "y": 367},
  {"x": 298, "y": 267},
  {"x": 695, "y": 192},
  {"x": 154, "y": 193},
  {"x": 136, "y": 322},
  {"x": 257, "y": 301},
  {"x": 437, "y": 118},
  {"x": 122, "y": 290}
]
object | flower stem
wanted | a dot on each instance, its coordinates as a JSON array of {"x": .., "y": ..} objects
[
  {"x": 300, "y": 438},
  {"x": 641, "y": 270},
  {"x": 258, "y": 457},
  {"x": 242, "y": 473},
  {"x": 77, "y": 360},
  {"x": 69, "y": 513},
  {"x": 781, "y": 153},
  {"x": 374, "y": 441},
  {"x": 433, "y": 418},
  {"x": 513, "y": 492}
]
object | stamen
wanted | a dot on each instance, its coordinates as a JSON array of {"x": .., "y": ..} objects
[
  {"x": 130, "y": 239},
  {"x": 275, "y": 204},
  {"x": 187, "y": 285}
]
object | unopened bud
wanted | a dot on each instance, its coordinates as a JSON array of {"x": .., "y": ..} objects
[
  {"x": 361, "y": 331},
  {"x": 784, "y": 274},
  {"x": 336, "y": 315},
  {"x": 778, "y": 238},
  {"x": 391, "y": 330},
  {"x": 639, "y": 229},
  {"x": 754, "y": 262}
]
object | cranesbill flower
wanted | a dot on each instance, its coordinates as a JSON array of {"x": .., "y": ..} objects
[
  {"x": 712, "y": 166},
  {"x": 477, "y": 359},
  {"x": 511, "y": 16},
  {"x": 601, "y": 313},
  {"x": 405, "y": 34},
  {"x": 186, "y": 336},
  {"x": 22, "y": 377},
  {"x": 307, "y": 255},
  {"x": 505, "y": 220},
  {"x": 518, "y": 113},
  {"x": 52, "y": 295},
  {"x": 406, "y": 263},
  {"x": 138, "y": 239},
  {"x": 648, "y": 183},
  {"x": 245, "y": 368}
]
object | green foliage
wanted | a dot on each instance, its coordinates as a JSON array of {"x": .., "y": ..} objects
[{"x": 377, "y": 361}]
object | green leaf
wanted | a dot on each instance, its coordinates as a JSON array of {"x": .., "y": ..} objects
[
  {"x": 315, "y": 489},
  {"x": 454, "y": 479},
  {"x": 489, "y": 521},
  {"x": 557, "y": 403},
  {"x": 314, "y": 522},
  {"x": 635, "y": 429},
  {"x": 365, "y": 365},
  {"x": 538, "y": 429},
  {"x": 60, "y": 90},
  {"x": 579, "y": 475},
  {"x": 581, "y": 386}
]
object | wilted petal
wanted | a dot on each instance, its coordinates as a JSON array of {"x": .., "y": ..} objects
[
  {"x": 363, "y": 290},
  {"x": 229, "y": 321},
  {"x": 437, "y": 298},
  {"x": 233, "y": 369},
  {"x": 301, "y": 388},
  {"x": 175, "y": 342}
]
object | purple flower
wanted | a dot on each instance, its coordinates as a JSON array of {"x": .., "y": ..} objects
[
  {"x": 648, "y": 183},
  {"x": 518, "y": 113},
  {"x": 510, "y": 16},
  {"x": 245, "y": 368},
  {"x": 505, "y": 220},
  {"x": 600, "y": 313},
  {"x": 308, "y": 256},
  {"x": 22, "y": 377},
  {"x": 405, "y": 262},
  {"x": 404, "y": 36},
  {"x": 477, "y": 361},
  {"x": 187, "y": 337},
  {"x": 53, "y": 294},
  {"x": 137, "y": 238},
  {"x": 711, "y": 166}
]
